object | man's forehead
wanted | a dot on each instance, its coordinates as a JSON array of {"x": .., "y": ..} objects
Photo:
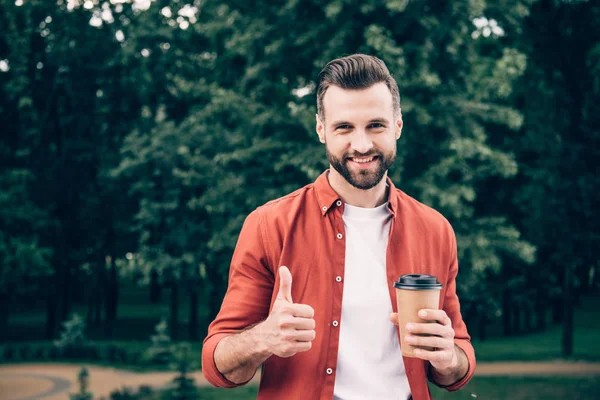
[{"x": 374, "y": 99}]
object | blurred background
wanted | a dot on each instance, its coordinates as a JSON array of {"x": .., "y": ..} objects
[{"x": 137, "y": 135}]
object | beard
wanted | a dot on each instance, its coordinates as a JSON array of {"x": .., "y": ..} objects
[{"x": 363, "y": 178}]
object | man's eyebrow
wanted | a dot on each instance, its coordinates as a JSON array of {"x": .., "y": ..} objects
[
  {"x": 336, "y": 123},
  {"x": 342, "y": 122},
  {"x": 380, "y": 120}
]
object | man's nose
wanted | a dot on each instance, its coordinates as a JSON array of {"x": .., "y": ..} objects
[{"x": 361, "y": 142}]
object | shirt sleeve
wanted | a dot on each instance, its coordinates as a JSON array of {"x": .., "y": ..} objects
[
  {"x": 247, "y": 299},
  {"x": 452, "y": 308}
]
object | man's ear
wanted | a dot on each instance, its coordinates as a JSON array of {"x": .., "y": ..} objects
[
  {"x": 320, "y": 129},
  {"x": 399, "y": 125}
]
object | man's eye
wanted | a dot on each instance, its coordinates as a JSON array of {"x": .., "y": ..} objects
[
  {"x": 376, "y": 125},
  {"x": 343, "y": 127}
]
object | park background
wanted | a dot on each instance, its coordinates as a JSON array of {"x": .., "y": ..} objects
[{"x": 137, "y": 135}]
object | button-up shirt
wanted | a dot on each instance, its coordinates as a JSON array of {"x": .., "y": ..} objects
[{"x": 305, "y": 232}]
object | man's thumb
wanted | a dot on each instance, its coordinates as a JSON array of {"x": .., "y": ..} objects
[{"x": 285, "y": 284}]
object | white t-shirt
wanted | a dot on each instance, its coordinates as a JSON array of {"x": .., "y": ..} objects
[{"x": 370, "y": 364}]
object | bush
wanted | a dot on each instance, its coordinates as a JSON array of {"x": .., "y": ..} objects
[
  {"x": 160, "y": 351},
  {"x": 116, "y": 354},
  {"x": 26, "y": 352},
  {"x": 41, "y": 353},
  {"x": 73, "y": 333},
  {"x": 143, "y": 393},
  {"x": 83, "y": 380},
  {"x": 8, "y": 353}
]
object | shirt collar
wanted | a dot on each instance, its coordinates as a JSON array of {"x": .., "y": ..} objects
[{"x": 327, "y": 197}]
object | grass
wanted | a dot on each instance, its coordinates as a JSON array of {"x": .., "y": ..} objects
[
  {"x": 517, "y": 388},
  {"x": 546, "y": 345},
  {"x": 479, "y": 388}
]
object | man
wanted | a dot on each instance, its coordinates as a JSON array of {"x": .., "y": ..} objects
[{"x": 311, "y": 295}]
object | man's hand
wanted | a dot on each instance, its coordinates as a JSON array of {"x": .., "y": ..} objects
[
  {"x": 449, "y": 362},
  {"x": 290, "y": 328}
]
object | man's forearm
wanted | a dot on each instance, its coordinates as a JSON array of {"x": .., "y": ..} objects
[
  {"x": 238, "y": 356},
  {"x": 452, "y": 375}
]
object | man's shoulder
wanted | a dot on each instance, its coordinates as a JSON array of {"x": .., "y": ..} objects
[
  {"x": 413, "y": 209},
  {"x": 287, "y": 205}
]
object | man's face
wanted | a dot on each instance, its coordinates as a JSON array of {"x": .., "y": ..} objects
[{"x": 360, "y": 133}]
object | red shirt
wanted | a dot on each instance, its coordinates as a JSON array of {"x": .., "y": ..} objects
[{"x": 305, "y": 232}]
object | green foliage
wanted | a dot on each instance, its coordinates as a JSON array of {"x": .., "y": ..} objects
[
  {"x": 83, "y": 382},
  {"x": 154, "y": 131},
  {"x": 183, "y": 387},
  {"x": 160, "y": 350},
  {"x": 73, "y": 334}
]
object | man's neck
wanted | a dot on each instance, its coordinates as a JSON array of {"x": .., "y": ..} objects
[{"x": 369, "y": 198}]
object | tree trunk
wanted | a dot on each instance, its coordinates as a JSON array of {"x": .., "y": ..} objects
[
  {"x": 481, "y": 324},
  {"x": 99, "y": 294},
  {"x": 111, "y": 298},
  {"x": 154, "y": 287},
  {"x": 50, "y": 316},
  {"x": 65, "y": 292},
  {"x": 516, "y": 319},
  {"x": 174, "y": 310},
  {"x": 567, "y": 328},
  {"x": 506, "y": 314},
  {"x": 193, "y": 320},
  {"x": 557, "y": 311},
  {"x": 113, "y": 279},
  {"x": 540, "y": 324},
  {"x": 91, "y": 303},
  {"x": 529, "y": 317},
  {"x": 4, "y": 311}
]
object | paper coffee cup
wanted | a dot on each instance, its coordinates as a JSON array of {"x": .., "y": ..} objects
[{"x": 413, "y": 293}]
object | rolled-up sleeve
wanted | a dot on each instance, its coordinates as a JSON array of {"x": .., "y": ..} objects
[
  {"x": 247, "y": 299},
  {"x": 452, "y": 308}
]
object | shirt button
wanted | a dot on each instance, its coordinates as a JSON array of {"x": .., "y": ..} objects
[
  {"x": 338, "y": 278},
  {"x": 324, "y": 208},
  {"x": 335, "y": 323},
  {"x": 338, "y": 203},
  {"x": 329, "y": 371},
  {"x": 339, "y": 236}
]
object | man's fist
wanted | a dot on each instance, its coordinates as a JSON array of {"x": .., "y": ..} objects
[{"x": 290, "y": 328}]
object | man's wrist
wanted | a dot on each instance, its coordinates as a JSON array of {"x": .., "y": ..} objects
[
  {"x": 259, "y": 342},
  {"x": 454, "y": 373}
]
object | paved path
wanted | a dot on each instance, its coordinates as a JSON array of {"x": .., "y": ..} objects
[{"x": 54, "y": 381}]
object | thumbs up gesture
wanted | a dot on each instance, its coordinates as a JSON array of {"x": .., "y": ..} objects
[{"x": 290, "y": 328}]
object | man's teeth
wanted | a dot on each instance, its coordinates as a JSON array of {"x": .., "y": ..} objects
[{"x": 363, "y": 160}]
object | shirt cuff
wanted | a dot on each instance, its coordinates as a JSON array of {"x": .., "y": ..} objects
[
  {"x": 467, "y": 348},
  {"x": 209, "y": 368}
]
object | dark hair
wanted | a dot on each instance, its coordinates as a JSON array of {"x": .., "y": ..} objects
[{"x": 358, "y": 71}]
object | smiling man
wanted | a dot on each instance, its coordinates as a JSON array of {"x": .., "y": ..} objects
[{"x": 310, "y": 295}]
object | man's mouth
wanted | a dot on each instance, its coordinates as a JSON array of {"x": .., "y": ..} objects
[{"x": 363, "y": 160}]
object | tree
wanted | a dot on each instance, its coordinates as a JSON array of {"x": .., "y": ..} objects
[
  {"x": 83, "y": 380},
  {"x": 247, "y": 135},
  {"x": 24, "y": 263},
  {"x": 559, "y": 149},
  {"x": 160, "y": 350},
  {"x": 183, "y": 387}
]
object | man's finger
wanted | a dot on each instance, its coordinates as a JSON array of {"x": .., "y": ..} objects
[
  {"x": 305, "y": 336},
  {"x": 429, "y": 329},
  {"x": 394, "y": 318},
  {"x": 285, "y": 284},
  {"x": 302, "y": 346},
  {"x": 433, "y": 356},
  {"x": 303, "y": 323},
  {"x": 302, "y": 311},
  {"x": 435, "y": 315},
  {"x": 428, "y": 341}
]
